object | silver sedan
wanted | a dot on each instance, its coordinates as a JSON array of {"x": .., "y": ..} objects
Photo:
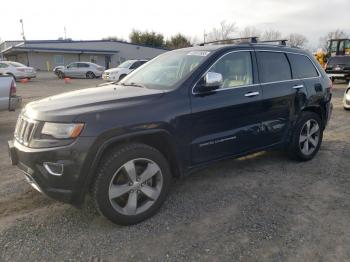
[{"x": 80, "y": 70}]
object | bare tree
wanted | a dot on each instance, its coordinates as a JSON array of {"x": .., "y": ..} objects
[
  {"x": 332, "y": 35},
  {"x": 271, "y": 35},
  {"x": 223, "y": 32},
  {"x": 249, "y": 31},
  {"x": 297, "y": 40}
]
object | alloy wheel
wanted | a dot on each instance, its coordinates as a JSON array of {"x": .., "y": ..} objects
[
  {"x": 309, "y": 137},
  {"x": 135, "y": 186}
]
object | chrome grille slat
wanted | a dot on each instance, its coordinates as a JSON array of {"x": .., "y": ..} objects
[{"x": 25, "y": 130}]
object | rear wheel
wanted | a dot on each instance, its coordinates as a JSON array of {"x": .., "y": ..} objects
[
  {"x": 131, "y": 184},
  {"x": 306, "y": 138},
  {"x": 90, "y": 75}
]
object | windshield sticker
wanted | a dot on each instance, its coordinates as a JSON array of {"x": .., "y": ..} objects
[{"x": 199, "y": 53}]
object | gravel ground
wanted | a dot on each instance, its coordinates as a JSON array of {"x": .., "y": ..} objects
[{"x": 263, "y": 207}]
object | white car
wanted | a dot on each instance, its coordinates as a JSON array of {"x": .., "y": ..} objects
[
  {"x": 346, "y": 100},
  {"x": 79, "y": 70},
  {"x": 118, "y": 73},
  {"x": 16, "y": 70}
]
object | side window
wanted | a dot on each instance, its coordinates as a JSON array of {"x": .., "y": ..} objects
[
  {"x": 3, "y": 65},
  {"x": 135, "y": 65},
  {"x": 236, "y": 69},
  {"x": 74, "y": 65},
  {"x": 302, "y": 67},
  {"x": 273, "y": 66},
  {"x": 83, "y": 65}
]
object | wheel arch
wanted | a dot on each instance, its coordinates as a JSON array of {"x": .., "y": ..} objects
[
  {"x": 159, "y": 139},
  {"x": 319, "y": 110}
]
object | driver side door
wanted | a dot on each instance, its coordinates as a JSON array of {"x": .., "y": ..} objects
[
  {"x": 227, "y": 121},
  {"x": 72, "y": 70}
]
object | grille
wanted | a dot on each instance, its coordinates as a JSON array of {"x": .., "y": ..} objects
[{"x": 25, "y": 130}]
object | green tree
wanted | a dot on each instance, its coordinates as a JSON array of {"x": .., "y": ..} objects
[
  {"x": 177, "y": 41},
  {"x": 147, "y": 38}
]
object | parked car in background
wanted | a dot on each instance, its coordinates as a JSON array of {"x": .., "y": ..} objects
[
  {"x": 118, "y": 73},
  {"x": 17, "y": 70},
  {"x": 346, "y": 100},
  {"x": 124, "y": 141},
  {"x": 80, "y": 70},
  {"x": 338, "y": 67},
  {"x": 8, "y": 98}
]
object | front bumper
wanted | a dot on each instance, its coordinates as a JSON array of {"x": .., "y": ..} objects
[
  {"x": 340, "y": 75},
  {"x": 66, "y": 187}
]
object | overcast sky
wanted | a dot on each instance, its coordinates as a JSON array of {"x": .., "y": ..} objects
[{"x": 45, "y": 19}]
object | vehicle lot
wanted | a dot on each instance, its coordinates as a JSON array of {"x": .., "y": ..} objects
[{"x": 260, "y": 207}]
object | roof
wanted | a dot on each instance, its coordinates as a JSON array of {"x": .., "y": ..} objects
[
  {"x": 58, "y": 50},
  {"x": 83, "y": 41}
]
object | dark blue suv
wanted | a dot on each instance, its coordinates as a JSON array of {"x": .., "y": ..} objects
[{"x": 123, "y": 142}]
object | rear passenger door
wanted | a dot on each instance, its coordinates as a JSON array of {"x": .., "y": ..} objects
[
  {"x": 83, "y": 68},
  {"x": 282, "y": 95}
]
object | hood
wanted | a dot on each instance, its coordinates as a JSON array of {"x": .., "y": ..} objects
[
  {"x": 67, "y": 106},
  {"x": 113, "y": 70}
]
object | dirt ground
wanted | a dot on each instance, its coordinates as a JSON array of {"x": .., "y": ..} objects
[{"x": 263, "y": 207}]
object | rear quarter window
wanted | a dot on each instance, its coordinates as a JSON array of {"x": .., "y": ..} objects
[
  {"x": 273, "y": 66},
  {"x": 302, "y": 67}
]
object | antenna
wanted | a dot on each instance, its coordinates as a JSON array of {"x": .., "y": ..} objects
[{"x": 24, "y": 38}]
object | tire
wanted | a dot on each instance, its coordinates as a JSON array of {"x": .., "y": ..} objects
[
  {"x": 122, "y": 76},
  {"x": 90, "y": 75},
  {"x": 60, "y": 74},
  {"x": 306, "y": 137},
  {"x": 115, "y": 191}
]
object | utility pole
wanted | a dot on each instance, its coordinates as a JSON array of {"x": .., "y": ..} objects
[
  {"x": 65, "y": 33},
  {"x": 204, "y": 36},
  {"x": 23, "y": 36}
]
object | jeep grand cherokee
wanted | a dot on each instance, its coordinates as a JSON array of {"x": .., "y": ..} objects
[{"x": 123, "y": 142}]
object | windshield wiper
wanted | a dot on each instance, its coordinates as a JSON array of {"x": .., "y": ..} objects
[{"x": 133, "y": 84}]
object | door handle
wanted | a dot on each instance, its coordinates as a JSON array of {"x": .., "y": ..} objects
[
  {"x": 298, "y": 86},
  {"x": 251, "y": 94}
]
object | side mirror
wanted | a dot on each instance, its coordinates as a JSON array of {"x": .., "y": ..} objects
[{"x": 210, "y": 82}]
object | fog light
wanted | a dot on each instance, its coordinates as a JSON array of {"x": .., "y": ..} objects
[{"x": 54, "y": 169}]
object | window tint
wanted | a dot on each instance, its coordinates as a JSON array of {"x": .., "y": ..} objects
[
  {"x": 3, "y": 65},
  {"x": 302, "y": 67},
  {"x": 135, "y": 65},
  {"x": 236, "y": 69},
  {"x": 72, "y": 65},
  {"x": 273, "y": 67},
  {"x": 83, "y": 65}
]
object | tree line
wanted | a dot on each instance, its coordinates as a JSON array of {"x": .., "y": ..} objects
[{"x": 226, "y": 30}]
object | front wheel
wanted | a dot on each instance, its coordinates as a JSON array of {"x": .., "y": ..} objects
[
  {"x": 306, "y": 138},
  {"x": 131, "y": 184},
  {"x": 60, "y": 75}
]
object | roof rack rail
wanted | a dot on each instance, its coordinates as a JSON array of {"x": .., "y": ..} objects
[
  {"x": 251, "y": 39},
  {"x": 280, "y": 41}
]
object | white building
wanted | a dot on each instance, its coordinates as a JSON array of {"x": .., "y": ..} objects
[{"x": 47, "y": 54}]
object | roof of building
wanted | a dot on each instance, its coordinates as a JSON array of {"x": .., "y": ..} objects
[{"x": 81, "y": 41}]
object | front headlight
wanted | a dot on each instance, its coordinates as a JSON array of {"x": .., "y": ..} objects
[{"x": 61, "y": 130}]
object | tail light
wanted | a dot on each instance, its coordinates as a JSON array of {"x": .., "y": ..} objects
[
  {"x": 21, "y": 69},
  {"x": 100, "y": 68},
  {"x": 13, "y": 89},
  {"x": 330, "y": 85}
]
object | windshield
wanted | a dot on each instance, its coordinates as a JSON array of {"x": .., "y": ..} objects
[
  {"x": 166, "y": 70},
  {"x": 15, "y": 64},
  {"x": 126, "y": 64}
]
